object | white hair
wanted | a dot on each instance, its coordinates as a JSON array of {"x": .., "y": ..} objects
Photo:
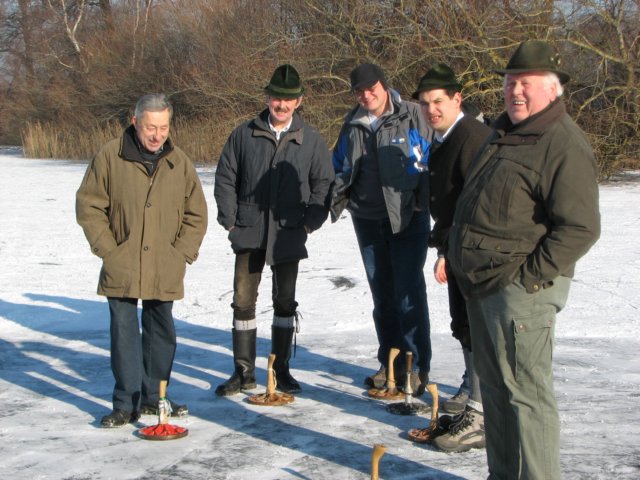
[{"x": 553, "y": 79}]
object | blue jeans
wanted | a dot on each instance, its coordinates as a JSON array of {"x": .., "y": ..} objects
[
  {"x": 140, "y": 361},
  {"x": 394, "y": 264}
]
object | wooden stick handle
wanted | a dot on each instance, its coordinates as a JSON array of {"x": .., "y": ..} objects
[
  {"x": 378, "y": 451},
  {"x": 391, "y": 376},
  {"x": 163, "y": 389},
  {"x": 433, "y": 390},
  {"x": 271, "y": 381}
]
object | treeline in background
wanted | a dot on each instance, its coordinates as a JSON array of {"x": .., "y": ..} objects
[{"x": 71, "y": 70}]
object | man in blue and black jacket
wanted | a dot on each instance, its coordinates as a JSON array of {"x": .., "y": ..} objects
[{"x": 379, "y": 159}]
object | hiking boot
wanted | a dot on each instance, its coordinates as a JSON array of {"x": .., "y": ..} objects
[
  {"x": 176, "y": 410},
  {"x": 119, "y": 418},
  {"x": 445, "y": 421},
  {"x": 463, "y": 435},
  {"x": 457, "y": 403},
  {"x": 377, "y": 380}
]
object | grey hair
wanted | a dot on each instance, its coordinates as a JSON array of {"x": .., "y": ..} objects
[
  {"x": 550, "y": 78},
  {"x": 153, "y": 102}
]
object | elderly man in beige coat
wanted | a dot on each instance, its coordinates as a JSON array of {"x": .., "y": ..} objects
[{"x": 143, "y": 211}]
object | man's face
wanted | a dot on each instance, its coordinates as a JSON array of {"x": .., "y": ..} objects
[
  {"x": 152, "y": 129},
  {"x": 373, "y": 98},
  {"x": 439, "y": 109},
  {"x": 528, "y": 93},
  {"x": 281, "y": 110}
]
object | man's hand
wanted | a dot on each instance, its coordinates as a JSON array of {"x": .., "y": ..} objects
[{"x": 439, "y": 271}]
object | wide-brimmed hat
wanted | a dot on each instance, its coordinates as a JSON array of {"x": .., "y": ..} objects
[
  {"x": 285, "y": 83},
  {"x": 440, "y": 76},
  {"x": 367, "y": 75},
  {"x": 533, "y": 56}
]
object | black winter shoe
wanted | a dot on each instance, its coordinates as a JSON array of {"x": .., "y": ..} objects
[
  {"x": 234, "y": 385},
  {"x": 244, "y": 363},
  {"x": 176, "y": 410},
  {"x": 286, "y": 383},
  {"x": 281, "y": 340},
  {"x": 119, "y": 418}
]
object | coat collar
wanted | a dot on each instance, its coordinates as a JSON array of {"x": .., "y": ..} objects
[
  {"x": 130, "y": 150},
  {"x": 260, "y": 127},
  {"x": 529, "y": 130}
]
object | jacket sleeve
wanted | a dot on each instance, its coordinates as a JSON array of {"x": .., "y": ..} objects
[
  {"x": 195, "y": 217},
  {"x": 569, "y": 190},
  {"x": 342, "y": 167},
  {"x": 321, "y": 176},
  {"x": 92, "y": 206},
  {"x": 225, "y": 186},
  {"x": 425, "y": 134}
]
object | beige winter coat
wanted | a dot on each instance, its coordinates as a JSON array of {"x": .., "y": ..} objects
[{"x": 145, "y": 228}]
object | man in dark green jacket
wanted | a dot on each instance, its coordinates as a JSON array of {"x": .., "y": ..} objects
[
  {"x": 271, "y": 188},
  {"x": 144, "y": 213},
  {"x": 528, "y": 211}
]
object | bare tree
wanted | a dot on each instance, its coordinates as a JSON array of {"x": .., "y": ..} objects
[{"x": 83, "y": 62}]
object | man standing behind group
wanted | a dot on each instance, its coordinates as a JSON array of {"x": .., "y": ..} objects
[
  {"x": 527, "y": 213},
  {"x": 271, "y": 187},
  {"x": 144, "y": 213},
  {"x": 457, "y": 140},
  {"x": 379, "y": 158}
]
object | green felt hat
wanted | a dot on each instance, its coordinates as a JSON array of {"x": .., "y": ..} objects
[
  {"x": 533, "y": 56},
  {"x": 285, "y": 83},
  {"x": 440, "y": 76}
]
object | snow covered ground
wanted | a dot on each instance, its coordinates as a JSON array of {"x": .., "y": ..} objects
[{"x": 55, "y": 380}]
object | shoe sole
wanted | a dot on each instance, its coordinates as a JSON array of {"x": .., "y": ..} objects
[
  {"x": 120, "y": 425},
  {"x": 102, "y": 425},
  {"x": 228, "y": 393},
  {"x": 458, "y": 448}
]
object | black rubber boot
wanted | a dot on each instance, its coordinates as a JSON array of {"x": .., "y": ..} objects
[
  {"x": 244, "y": 361},
  {"x": 281, "y": 339}
]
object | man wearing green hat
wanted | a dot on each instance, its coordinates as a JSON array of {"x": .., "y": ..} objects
[
  {"x": 271, "y": 188},
  {"x": 528, "y": 211},
  {"x": 458, "y": 137}
]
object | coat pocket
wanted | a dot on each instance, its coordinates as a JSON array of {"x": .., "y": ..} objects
[
  {"x": 171, "y": 271},
  {"x": 248, "y": 214},
  {"x": 249, "y": 227},
  {"x": 484, "y": 256},
  {"x": 116, "y": 268}
]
